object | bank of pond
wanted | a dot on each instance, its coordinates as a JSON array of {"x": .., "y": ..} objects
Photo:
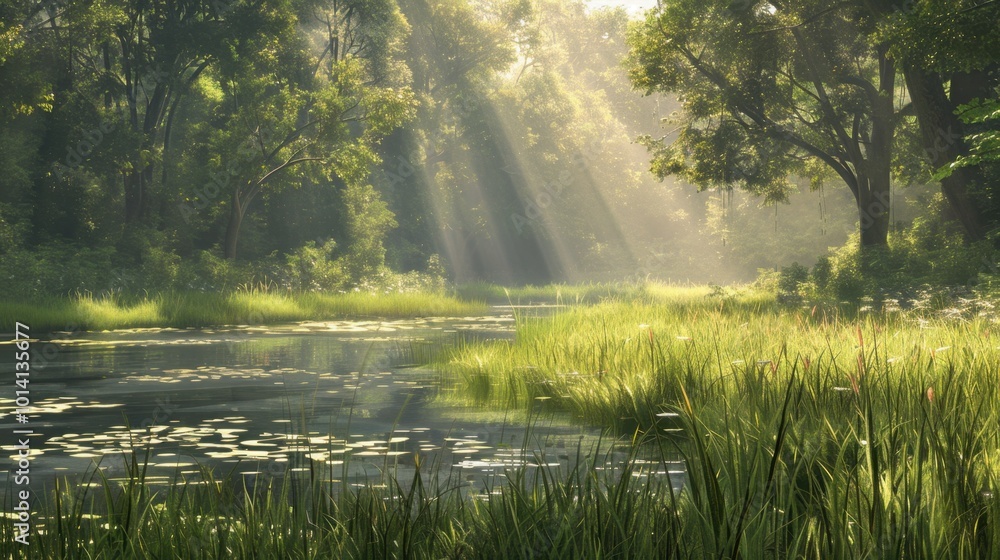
[{"x": 664, "y": 422}]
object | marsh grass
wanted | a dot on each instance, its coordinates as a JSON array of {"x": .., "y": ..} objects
[
  {"x": 805, "y": 433},
  {"x": 810, "y": 432},
  {"x": 245, "y": 306},
  {"x": 576, "y": 510},
  {"x": 569, "y": 294}
]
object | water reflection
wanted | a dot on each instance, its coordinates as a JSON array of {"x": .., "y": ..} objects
[{"x": 339, "y": 398}]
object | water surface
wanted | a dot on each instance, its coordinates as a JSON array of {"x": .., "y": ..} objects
[{"x": 344, "y": 398}]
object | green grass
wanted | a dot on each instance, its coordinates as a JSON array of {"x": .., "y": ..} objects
[
  {"x": 551, "y": 293},
  {"x": 199, "y": 309},
  {"x": 807, "y": 432},
  {"x": 565, "y": 512}
]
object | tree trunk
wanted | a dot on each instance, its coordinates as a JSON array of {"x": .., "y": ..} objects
[
  {"x": 875, "y": 168},
  {"x": 944, "y": 140},
  {"x": 133, "y": 196},
  {"x": 233, "y": 227},
  {"x": 873, "y": 213}
]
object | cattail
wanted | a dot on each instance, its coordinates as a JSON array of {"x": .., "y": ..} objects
[{"x": 854, "y": 384}]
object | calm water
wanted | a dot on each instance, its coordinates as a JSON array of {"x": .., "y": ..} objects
[{"x": 345, "y": 396}]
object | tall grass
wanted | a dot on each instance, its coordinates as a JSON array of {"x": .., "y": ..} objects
[
  {"x": 806, "y": 432},
  {"x": 571, "y": 511},
  {"x": 199, "y": 309},
  {"x": 551, "y": 293}
]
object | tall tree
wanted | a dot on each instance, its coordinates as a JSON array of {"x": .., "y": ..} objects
[
  {"x": 949, "y": 52},
  {"x": 295, "y": 118},
  {"x": 769, "y": 89},
  {"x": 145, "y": 56}
]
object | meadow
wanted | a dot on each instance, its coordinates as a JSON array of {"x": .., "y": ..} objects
[{"x": 807, "y": 432}]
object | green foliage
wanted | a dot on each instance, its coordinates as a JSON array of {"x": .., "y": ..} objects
[
  {"x": 208, "y": 271},
  {"x": 944, "y": 35},
  {"x": 926, "y": 254},
  {"x": 368, "y": 221},
  {"x": 56, "y": 268},
  {"x": 743, "y": 98},
  {"x": 497, "y": 134},
  {"x": 984, "y": 146},
  {"x": 12, "y": 229},
  {"x": 313, "y": 268}
]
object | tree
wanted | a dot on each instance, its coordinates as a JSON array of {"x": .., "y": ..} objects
[
  {"x": 948, "y": 51},
  {"x": 288, "y": 111},
  {"x": 457, "y": 54},
  {"x": 140, "y": 57},
  {"x": 983, "y": 146},
  {"x": 771, "y": 89}
]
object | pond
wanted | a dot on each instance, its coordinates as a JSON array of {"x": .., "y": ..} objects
[{"x": 348, "y": 396}]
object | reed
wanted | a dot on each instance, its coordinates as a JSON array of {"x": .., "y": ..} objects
[{"x": 807, "y": 432}]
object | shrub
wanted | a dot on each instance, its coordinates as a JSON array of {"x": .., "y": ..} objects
[
  {"x": 57, "y": 268},
  {"x": 313, "y": 268},
  {"x": 368, "y": 221},
  {"x": 928, "y": 254}
]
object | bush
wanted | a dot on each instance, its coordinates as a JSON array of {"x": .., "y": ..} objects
[
  {"x": 313, "y": 268},
  {"x": 790, "y": 278},
  {"x": 57, "y": 268},
  {"x": 160, "y": 269},
  {"x": 928, "y": 255},
  {"x": 368, "y": 220}
]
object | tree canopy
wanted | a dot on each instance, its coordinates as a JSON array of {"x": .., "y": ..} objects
[{"x": 340, "y": 144}]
